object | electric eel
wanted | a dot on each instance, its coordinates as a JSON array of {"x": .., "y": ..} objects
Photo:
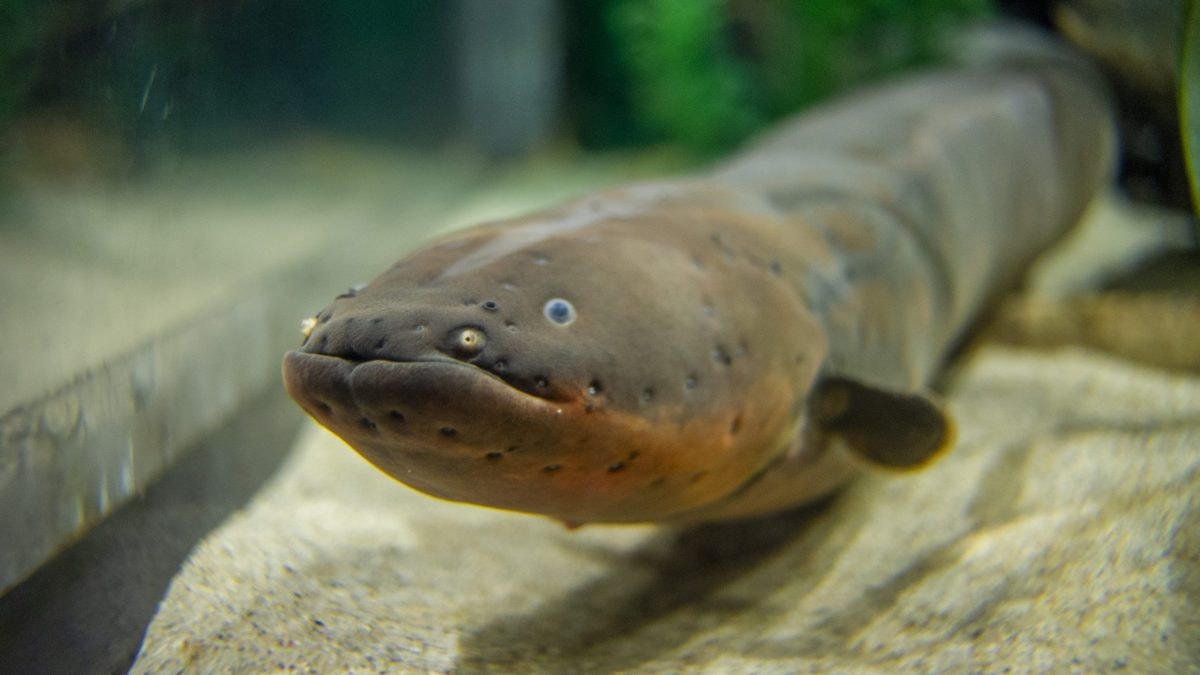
[{"x": 730, "y": 343}]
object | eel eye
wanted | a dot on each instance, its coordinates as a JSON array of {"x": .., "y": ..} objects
[
  {"x": 468, "y": 341},
  {"x": 559, "y": 311}
]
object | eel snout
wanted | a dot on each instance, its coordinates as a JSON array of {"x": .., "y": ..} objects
[
  {"x": 453, "y": 431},
  {"x": 441, "y": 426}
]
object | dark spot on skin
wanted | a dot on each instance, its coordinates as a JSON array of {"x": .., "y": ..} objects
[
  {"x": 776, "y": 268},
  {"x": 379, "y": 345},
  {"x": 721, "y": 356},
  {"x": 542, "y": 383},
  {"x": 697, "y": 476},
  {"x": 551, "y": 468},
  {"x": 493, "y": 455},
  {"x": 323, "y": 343},
  {"x": 615, "y": 467},
  {"x": 594, "y": 388},
  {"x": 490, "y": 305},
  {"x": 376, "y": 321},
  {"x": 324, "y": 317},
  {"x": 511, "y": 448},
  {"x": 367, "y": 423},
  {"x": 499, "y": 366},
  {"x": 658, "y": 481},
  {"x": 588, "y": 407},
  {"x": 647, "y": 395},
  {"x": 632, "y": 456},
  {"x": 857, "y": 272},
  {"x": 323, "y": 407},
  {"x": 448, "y": 432},
  {"x": 349, "y": 320},
  {"x": 396, "y": 415},
  {"x": 736, "y": 425},
  {"x": 697, "y": 262},
  {"x": 690, "y": 382},
  {"x": 724, "y": 247}
]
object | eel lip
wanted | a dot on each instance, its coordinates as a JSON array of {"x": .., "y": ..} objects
[
  {"x": 321, "y": 383},
  {"x": 429, "y": 423},
  {"x": 306, "y": 374}
]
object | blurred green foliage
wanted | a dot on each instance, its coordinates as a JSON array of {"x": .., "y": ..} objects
[
  {"x": 706, "y": 73},
  {"x": 685, "y": 78}
]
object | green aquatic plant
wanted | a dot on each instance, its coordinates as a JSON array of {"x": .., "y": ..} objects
[
  {"x": 706, "y": 73},
  {"x": 821, "y": 46},
  {"x": 685, "y": 80}
]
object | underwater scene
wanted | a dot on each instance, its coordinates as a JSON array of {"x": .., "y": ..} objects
[{"x": 590, "y": 336}]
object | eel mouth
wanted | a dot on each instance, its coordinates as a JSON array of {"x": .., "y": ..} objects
[
  {"x": 458, "y": 432},
  {"x": 444, "y": 427},
  {"x": 346, "y": 393}
]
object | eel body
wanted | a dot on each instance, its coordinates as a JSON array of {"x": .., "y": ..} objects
[{"x": 723, "y": 345}]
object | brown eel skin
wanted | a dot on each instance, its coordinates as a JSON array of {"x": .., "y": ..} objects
[{"x": 726, "y": 344}]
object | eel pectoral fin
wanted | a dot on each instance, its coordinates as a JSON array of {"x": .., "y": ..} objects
[{"x": 895, "y": 430}]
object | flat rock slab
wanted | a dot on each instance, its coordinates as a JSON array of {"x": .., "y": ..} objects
[{"x": 1062, "y": 534}]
